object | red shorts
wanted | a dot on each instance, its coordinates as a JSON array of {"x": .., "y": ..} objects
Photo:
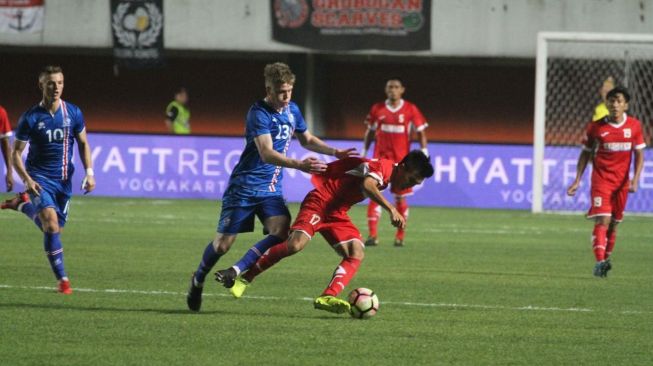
[
  {"x": 606, "y": 201},
  {"x": 335, "y": 226}
]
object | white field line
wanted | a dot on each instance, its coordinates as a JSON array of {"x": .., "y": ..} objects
[{"x": 398, "y": 303}]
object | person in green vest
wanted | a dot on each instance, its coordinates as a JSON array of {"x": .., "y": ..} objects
[{"x": 178, "y": 114}]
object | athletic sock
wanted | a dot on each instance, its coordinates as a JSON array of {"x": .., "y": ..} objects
[
  {"x": 612, "y": 240},
  {"x": 255, "y": 252},
  {"x": 54, "y": 252},
  {"x": 599, "y": 239},
  {"x": 402, "y": 207},
  {"x": 373, "y": 215},
  {"x": 209, "y": 259},
  {"x": 267, "y": 260},
  {"x": 342, "y": 275},
  {"x": 29, "y": 210}
]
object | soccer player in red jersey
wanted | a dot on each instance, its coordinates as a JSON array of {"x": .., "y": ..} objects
[
  {"x": 324, "y": 210},
  {"x": 390, "y": 124},
  {"x": 5, "y": 134},
  {"x": 613, "y": 141}
]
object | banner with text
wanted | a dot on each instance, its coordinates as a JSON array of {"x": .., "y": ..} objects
[
  {"x": 137, "y": 30},
  {"x": 396, "y": 25},
  {"x": 466, "y": 175},
  {"x": 21, "y": 16}
]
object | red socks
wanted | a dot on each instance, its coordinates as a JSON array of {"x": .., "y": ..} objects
[
  {"x": 612, "y": 239},
  {"x": 599, "y": 238},
  {"x": 267, "y": 260},
  {"x": 402, "y": 207},
  {"x": 373, "y": 215},
  {"x": 342, "y": 275}
]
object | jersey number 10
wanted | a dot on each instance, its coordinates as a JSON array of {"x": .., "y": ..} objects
[{"x": 54, "y": 135}]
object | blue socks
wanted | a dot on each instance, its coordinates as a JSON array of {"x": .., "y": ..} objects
[
  {"x": 209, "y": 259},
  {"x": 54, "y": 252},
  {"x": 30, "y": 211},
  {"x": 255, "y": 252}
]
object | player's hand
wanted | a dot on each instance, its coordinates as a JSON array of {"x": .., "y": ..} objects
[
  {"x": 397, "y": 219},
  {"x": 313, "y": 165},
  {"x": 346, "y": 153},
  {"x": 32, "y": 187},
  {"x": 573, "y": 188},
  {"x": 633, "y": 186},
  {"x": 88, "y": 184},
  {"x": 9, "y": 181}
]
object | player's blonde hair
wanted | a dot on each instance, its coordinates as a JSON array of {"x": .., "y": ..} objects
[
  {"x": 278, "y": 73},
  {"x": 49, "y": 70}
]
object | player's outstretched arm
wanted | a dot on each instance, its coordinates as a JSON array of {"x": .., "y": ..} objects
[
  {"x": 371, "y": 189},
  {"x": 583, "y": 159},
  {"x": 88, "y": 184},
  {"x": 315, "y": 144},
  {"x": 30, "y": 185},
  {"x": 6, "y": 154},
  {"x": 271, "y": 156},
  {"x": 639, "y": 165}
]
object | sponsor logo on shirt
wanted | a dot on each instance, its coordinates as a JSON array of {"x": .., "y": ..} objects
[
  {"x": 605, "y": 134},
  {"x": 41, "y": 125},
  {"x": 393, "y": 128},
  {"x": 618, "y": 146}
]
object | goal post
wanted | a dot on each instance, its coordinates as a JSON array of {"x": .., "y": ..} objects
[{"x": 570, "y": 70}]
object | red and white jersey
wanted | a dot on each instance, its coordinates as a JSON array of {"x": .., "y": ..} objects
[
  {"x": 5, "y": 126},
  {"x": 393, "y": 127},
  {"x": 340, "y": 187},
  {"x": 614, "y": 144}
]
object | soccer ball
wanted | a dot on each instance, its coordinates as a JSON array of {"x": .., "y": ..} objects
[{"x": 364, "y": 303}]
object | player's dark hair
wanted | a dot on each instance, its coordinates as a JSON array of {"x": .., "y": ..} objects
[
  {"x": 49, "y": 70},
  {"x": 397, "y": 78},
  {"x": 416, "y": 160},
  {"x": 619, "y": 90},
  {"x": 278, "y": 73}
]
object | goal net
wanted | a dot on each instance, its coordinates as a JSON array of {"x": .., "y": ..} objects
[{"x": 571, "y": 69}]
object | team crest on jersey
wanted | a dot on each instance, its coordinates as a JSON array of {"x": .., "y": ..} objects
[
  {"x": 627, "y": 132},
  {"x": 291, "y": 118},
  {"x": 401, "y": 118},
  {"x": 66, "y": 122},
  {"x": 41, "y": 125}
]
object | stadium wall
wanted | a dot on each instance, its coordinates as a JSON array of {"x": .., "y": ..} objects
[{"x": 460, "y": 28}]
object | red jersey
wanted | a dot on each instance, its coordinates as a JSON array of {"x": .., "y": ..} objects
[
  {"x": 5, "y": 127},
  {"x": 339, "y": 187},
  {"x": 614, "y": 144},
  {"x": 393, "y": 127}
]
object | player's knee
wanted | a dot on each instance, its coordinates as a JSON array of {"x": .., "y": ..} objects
[
  {"x": 222, "y": 244},
  {"x": 296, "y": 243},
  {"x": 356, "y": 250}
]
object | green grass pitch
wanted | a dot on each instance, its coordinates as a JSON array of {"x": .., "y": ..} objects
[{"x": 471, "y": 287}]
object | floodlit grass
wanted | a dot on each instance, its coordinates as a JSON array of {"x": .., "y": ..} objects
[{"x": 471, "y": 287}]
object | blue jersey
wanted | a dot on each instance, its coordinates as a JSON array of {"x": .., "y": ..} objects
[
  {"x": 51, "y": 138},
  {"x": 251, "y": 173}
]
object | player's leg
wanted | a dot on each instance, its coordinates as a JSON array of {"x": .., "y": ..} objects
[
  {"x": 22, "y": 203},
  {"x": 601, "y": 213},
  {"x": 275, "y": 217},
  {"x": 373, "y": 216},
  {"x": 619, "y": 201},
  {"x": 402, "y": 206},
  {"x": 345, "y": 239},
  {"x": 295, "y": 243}
]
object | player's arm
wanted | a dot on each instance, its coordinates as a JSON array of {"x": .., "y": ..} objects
[
  {"x": 370, "y": 134},
  {"x": 270, "y": 156},
  {"x": 639, "y": 165},
  {"x": 30, "y": 185},
  {"x": 423, "y": 141},
  {"x": 371, "y": 189},
  {"x": 171, "y": 115},
  {"x": 88, "y": 184},
  {"x": 583, "y": 159},
  {"x": 315, "y": 144},
  {"x": 6, "y": 154}
]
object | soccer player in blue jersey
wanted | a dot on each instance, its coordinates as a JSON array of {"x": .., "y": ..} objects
[
  {"x": 51, "y": 128},
  {"x": 254, "y": 187}
]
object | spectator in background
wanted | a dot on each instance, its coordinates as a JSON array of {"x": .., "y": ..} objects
[
  {"x": 178, "y": 114},
  {"x": 601, "y": 110},
  {"x": 390, "y": 124},
  {"x": 5, "y": 134}
]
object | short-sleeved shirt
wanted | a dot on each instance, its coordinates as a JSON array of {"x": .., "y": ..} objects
[
  {"x": 5, "y": 126},
  {"x": 393, "y": 127},
  {"x": 251, "y": 173},
  {"x": 340, "y": 187},
  {"x": 51, "y": 139},
  {"x": 614, "y": 144}
]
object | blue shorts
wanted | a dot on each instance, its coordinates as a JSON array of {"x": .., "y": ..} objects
[
  {"x": 239, "y": 209},
  {"x": 55, "y": 194}
]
